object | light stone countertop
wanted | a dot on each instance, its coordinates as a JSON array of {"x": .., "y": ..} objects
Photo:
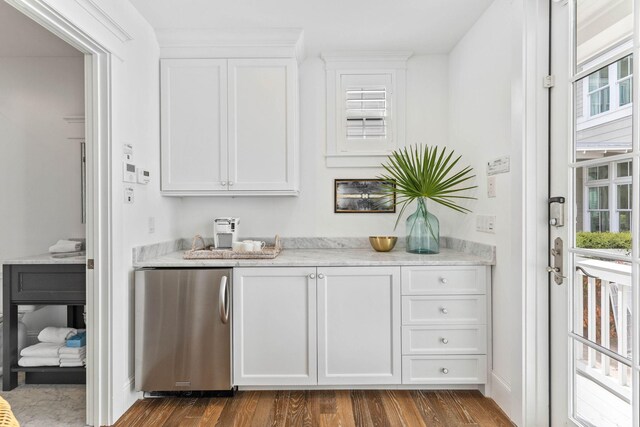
[
  {"x": 46, "y": 259},
  {"x": 323, "y": 257}
]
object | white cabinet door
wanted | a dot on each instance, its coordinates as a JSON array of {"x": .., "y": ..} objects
[
  {"x": 194, "y": 125},
  {"x": 359, "y": 325},
  {"x": 274, "y": 326},
  {"x": 262, "y": 124}
]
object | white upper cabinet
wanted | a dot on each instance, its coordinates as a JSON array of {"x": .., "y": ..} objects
[
  {"x": 229, "y": 114},
  {"x": 262, "y": 124},
  {"x": 194, "y": 125}
]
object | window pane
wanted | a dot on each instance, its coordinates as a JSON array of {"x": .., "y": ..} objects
[
  {"x": 623, "y": 196},
  {"x": 593, "y": 198},
  {"x": 601, "y": 25},
  {"x": 624, "y": 219},
  {"x": 600, "y": 101},
  {"x": 599, "y": 79},
  {"x": 625, "y": 89},
  {"x": 623, "y": 169},
  {"x": 603, "y": 172},
  {"x": 603, "y": 197},
  {"x": 625, "y": 67}
]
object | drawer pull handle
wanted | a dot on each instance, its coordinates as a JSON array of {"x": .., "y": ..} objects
[
  {"x": 443, "y": 280},
  {"x": 444, "y": 310},
  {"x": 312, "y": 276},
  {"x": 445, "y": 371},
  {"x": 445, "y": 341},
  {"x": 320, "y": 276},
  {"x": 223, "y": 183}
]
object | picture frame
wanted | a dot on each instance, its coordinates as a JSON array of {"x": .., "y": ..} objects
[{"x": 362, "y": 196}]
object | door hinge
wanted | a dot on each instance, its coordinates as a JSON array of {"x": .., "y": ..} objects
[
  {"x": 90, "y": 263},
  {"x": 549, "y": 81}
]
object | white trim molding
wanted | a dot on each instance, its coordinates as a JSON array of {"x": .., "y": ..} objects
[
  {"x": 366, "y": 65},
  {"x": 238, "y": 43},
  {"x": 105, "y": 19}
]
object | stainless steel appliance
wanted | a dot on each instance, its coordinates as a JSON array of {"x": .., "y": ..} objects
[
  {"x": 225, "y": 231},
  {"x": 183, "y": 330}
]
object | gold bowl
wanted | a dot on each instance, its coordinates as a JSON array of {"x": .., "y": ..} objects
[{"x": 383, "y": 243}]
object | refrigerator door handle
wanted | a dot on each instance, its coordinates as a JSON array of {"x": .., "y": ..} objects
[{"x": 223, "y": 300}]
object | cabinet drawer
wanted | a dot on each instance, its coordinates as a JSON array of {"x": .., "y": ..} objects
[
  {"x": 444, "y": 369},
  {"x": 454, "y": 339},
  {"x": 443, "y": 280},
  {"x": 48, "y": 284},
  {"x": 436, "y": 310}
]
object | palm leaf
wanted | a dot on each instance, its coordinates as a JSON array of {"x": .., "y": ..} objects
[{"x": 422, "y": 171}]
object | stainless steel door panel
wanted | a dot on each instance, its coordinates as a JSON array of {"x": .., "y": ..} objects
[{"x": 182, "y": 341}]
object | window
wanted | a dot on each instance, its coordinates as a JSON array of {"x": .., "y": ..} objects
[
  {"x": 366, "y": 112},
  {"x": 365, "y": 107},
  {"x": 608, "y": 197},
  {"x": 625, "y": 71},
  {"x": 599, "y": 91},
  {"x": 599, "y": 208}
]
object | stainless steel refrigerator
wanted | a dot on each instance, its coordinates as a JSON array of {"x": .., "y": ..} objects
[{"x": 183, "y": 330}]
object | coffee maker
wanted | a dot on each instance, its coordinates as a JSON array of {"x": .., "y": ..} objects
[{"x": 225, "y": 232}]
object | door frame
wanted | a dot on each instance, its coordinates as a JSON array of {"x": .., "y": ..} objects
[{"x": 97, "y": 81}]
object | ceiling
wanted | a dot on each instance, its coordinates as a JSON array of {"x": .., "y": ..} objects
[
  {"x": 23, "y": 37},
  {"x": 423, "y": 26}
]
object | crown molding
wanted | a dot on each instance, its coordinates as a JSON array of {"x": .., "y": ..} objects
[
  {"x": 231, "y": 43},
  {"x": 105, "y": 19}
]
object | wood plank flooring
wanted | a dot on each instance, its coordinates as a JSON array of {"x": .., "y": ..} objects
[{"x": 323, "y": 408}]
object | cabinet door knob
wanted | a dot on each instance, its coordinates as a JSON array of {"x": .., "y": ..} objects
[
  {"x": 444, "y": 310},
  {"x": 444, "y": 371},
  {"x": 320, "y": 276},
  {"x": 312, "y": 276},
  {"x": 444, "y": 341},
  {"x": 230, "y": 182},
  {"x": 443, "y": 280},
  {"x": 223, "y": 183}
]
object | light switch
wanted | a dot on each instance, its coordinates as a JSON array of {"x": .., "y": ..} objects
[{"x": 491, "y": 186}]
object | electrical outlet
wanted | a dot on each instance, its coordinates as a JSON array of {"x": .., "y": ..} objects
[
  {"x": 491, "y": 186},
  {"x": 128, "y": 195},
  {"x": 152, "y": 225}
]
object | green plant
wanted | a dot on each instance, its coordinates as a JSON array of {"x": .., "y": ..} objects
[
  {"x": 603, "y": 240},
  {"x": 426, "y": 172}
]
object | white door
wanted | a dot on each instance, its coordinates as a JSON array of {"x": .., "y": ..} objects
[
  {"x": 359, "y": 325},
  {"x": 594, "y": 322},
  {"x": 193, "y": 125},
  {"x": 274, "y": 326},
  {"x": 262, "y": 130}
]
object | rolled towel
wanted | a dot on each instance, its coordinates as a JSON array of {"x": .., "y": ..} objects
[
  {"x": 55, "y": 335},
  {"x": 72, "y": 350},
  {"x": 29, "y": 362},
  {"x": 71, "y": 363},
  {"x": 65, "y": 246},
  {"x": 42, "y": 349}
]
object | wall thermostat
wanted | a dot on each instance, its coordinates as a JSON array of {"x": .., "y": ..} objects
[
  {"x": 143, "y": 176},
  {"x": 129, "y": 172}
]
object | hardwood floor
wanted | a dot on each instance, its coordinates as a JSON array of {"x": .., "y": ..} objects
[{"x": 330, "y": 408}]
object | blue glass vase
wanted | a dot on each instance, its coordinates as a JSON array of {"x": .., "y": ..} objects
[{"x": 423, "y": 231}]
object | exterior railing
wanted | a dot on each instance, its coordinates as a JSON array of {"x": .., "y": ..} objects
[{"x": 602, "y": 302}]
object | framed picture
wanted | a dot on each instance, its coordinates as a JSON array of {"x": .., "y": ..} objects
[{"x": 363, "y": 196}]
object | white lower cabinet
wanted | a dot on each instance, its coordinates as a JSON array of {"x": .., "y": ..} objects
[
  {"x": 359, "y": 326},
  {"x": 352, "y": 326},
  {"x": 274, "y": 326}
]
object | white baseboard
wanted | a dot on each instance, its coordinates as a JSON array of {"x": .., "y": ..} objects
[{"x": 501, "y": 393}]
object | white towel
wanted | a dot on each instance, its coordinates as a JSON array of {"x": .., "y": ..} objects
[
  {"x": 38, "y": 361},
  {"x": 71, "y": 363},
  {"x": 56, "y": 335},
  {"x": 73, "y": 350},
  {"x": 65, "y": 246},
  {"x": 72, "y": 356},
  {"x": 42, "y": 349}
]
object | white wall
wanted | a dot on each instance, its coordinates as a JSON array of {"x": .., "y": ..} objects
[
  {"x": 134, "y": 108},
  {"x": 481, "y": 101},
  {"x": 40, "y": 165},
  {"x": 312, "y": 213}
]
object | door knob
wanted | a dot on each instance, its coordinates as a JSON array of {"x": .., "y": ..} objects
[
  {"x": 223, "y": 183},
  {"x": 320, "y": 276}
]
